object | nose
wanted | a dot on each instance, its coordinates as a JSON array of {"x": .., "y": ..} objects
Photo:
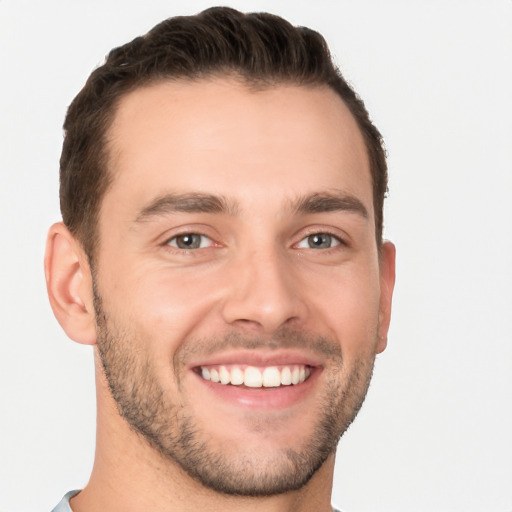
[{"x": 263, "y": 293}]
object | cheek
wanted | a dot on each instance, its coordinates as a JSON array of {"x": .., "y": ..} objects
[
  {"x": 167, "y": 303},
  {"x": 349, "y": 306}
]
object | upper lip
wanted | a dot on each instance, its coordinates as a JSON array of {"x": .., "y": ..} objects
[{"x": 258, "y": 358}]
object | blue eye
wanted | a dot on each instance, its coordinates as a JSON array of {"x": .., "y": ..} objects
[
  {"x": 190, "y": 241},
  {"x": 319, "y": 241}
]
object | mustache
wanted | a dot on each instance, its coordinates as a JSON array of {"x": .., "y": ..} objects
[{"x": 285, "y": 338}]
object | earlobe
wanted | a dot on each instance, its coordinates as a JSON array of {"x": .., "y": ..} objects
[
  {"x": 69, "y": 285},
  {"x": 387, "y": 284}
]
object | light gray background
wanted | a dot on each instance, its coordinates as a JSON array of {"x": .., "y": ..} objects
[{"x": 436, "y": 431}]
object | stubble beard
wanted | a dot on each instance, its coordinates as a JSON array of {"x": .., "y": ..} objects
[{"x": 174, "y": 433}]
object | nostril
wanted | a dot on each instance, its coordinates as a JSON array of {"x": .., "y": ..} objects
[{"x": 247, "y": 324}]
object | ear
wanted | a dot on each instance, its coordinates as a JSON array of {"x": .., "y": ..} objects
[
  {"x": 69, "y": 285},
  {"x": 387, "y": 284}
]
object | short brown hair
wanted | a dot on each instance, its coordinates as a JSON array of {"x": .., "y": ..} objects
[{"x": 260, "y": 49}]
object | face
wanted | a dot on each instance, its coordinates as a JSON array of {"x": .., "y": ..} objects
[{"x": 238, "y": 289}]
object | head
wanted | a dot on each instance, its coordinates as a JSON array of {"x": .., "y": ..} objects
[
  {"x": 259, "y": 49},
  {"x": 222, "y": 188}
]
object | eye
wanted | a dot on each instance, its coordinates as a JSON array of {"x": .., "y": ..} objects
[
  {"x": 319, "y": 241},
  {"x": 190, "y": 241}
]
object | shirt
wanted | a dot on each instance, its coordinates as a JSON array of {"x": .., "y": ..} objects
[{"x": 63, "y": 505}]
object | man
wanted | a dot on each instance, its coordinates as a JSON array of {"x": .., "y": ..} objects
[{"x": 221, "y": 247}]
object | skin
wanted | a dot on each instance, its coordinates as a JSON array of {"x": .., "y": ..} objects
[{"x": 254, "y": 277}]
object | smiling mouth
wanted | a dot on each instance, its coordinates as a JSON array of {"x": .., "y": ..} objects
[{"x": 254, "y": 376}]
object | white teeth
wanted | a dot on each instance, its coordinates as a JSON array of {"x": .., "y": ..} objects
[
  {"x": 295, "y": 375},
  {"x": 214, "y": 375},
  {"x": 224, "y": 376},
  {"x": 286, "y": 376},
  {"x": 271, "y": 377},
  {"x": 237, "y": 376},
  {"x": 254, "y": 377}
]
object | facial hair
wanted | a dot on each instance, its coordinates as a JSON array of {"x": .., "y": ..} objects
[{"x": 164, "y": 421}]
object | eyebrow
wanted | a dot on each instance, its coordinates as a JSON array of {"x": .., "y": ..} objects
[
  {"x": 325, "y": 202},
  {"x": 319, "y": 202},
  {"x": 187, "y": 203}
]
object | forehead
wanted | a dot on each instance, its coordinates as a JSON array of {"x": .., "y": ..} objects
[{"x": 217, "y": 136}]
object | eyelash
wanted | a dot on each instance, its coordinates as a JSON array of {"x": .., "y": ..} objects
[
  {"x": 335, "y": 238},
  {"x": 189, "y": 234}
]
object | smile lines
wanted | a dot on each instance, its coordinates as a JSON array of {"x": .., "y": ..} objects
[{"x": 255, "y": 377}]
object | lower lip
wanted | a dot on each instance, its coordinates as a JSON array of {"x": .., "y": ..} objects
[{"x": 262, "y": 398}]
